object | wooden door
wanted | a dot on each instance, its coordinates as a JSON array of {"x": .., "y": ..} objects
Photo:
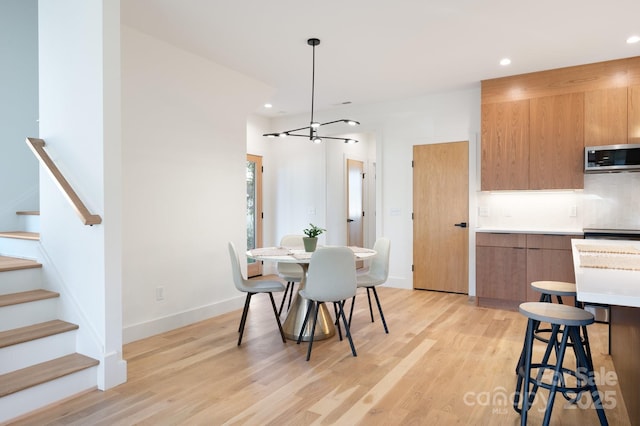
[
  {"x": 254, "y": 211},
  {"x": 355, "y": 177},
  {"x": 440, "y": 201}
]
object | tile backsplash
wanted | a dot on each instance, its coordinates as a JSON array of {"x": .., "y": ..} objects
[
  {"x": 539, "y": 210},
  {"x": 609, "y": 200},
  {"x": 612, "y": 200}
]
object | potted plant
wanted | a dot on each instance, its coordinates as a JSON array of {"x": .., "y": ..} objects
[{"x": 311, "y": 239}]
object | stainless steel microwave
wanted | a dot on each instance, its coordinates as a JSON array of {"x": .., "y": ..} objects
[{"x": 611, "y": 158}]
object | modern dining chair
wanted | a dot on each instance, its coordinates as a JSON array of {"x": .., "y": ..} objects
[
  {"x": 290, "y": 272},
  {"x": 251, "y": 288},
  {"x": 377, "y": 274},
  {"x": 331, "y": 278}
]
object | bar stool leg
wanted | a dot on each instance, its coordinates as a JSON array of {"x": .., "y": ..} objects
[
  {"x": 557, "y": 374},
  {"x": 585, "y": 359}
]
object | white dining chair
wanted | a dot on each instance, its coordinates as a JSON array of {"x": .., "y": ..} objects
[
  {"x": 251, "y": 288},
  {"x": 290, "y": 272},
  {"x": 331, "y": 278},
  {"x": 377, "y": 274}
]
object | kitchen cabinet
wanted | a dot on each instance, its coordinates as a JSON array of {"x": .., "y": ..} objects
[
  {"x": 507, "y": 263},
  {"x": 633, "y": 114},
  {"x": 505, "y": 145},
  {"x": 549, "y": 258},
  {"x": 501, "y": 269},
  {"x": 556, "y": 142},
  {"x": 569, "y": 108},
  {"x": 605, "y": 116}
]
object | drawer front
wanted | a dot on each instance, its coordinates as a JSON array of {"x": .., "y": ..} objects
[
  {"x": 553, "y": 242},
  {"x": 491, "y": 239}
]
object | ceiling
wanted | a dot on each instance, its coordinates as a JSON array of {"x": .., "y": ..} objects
[{"x": 381, "y": 50}]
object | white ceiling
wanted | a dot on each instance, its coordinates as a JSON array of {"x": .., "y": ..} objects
[{"x": 380, "y": 50}]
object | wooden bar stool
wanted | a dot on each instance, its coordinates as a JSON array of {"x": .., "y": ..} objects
[
  {"x": 565, "y": 321},
  {"x": 548, "y": 289}
]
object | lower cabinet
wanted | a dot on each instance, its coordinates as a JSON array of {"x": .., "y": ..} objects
[{"x": 506, "y": 264}]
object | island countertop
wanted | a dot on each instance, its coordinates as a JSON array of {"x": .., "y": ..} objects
[{"x": 607, "y": 271}]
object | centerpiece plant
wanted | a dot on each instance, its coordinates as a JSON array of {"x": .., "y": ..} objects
[{"x": 311, "y": 239}]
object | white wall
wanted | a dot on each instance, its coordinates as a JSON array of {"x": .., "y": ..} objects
[
  {"x": 395, "y": 127},
  {"x": 80, "y": 122},
  {"x": 184, "y": 156},
  {"x": 18, "y": 109}
]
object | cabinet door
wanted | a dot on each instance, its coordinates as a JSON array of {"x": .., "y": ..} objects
[
  {"x": 501, "y": 273},
  {"x": 505, "y": 146},
  {"x": 605, "y": 117},
  {"x": 556, "y": 144},
  {"x": 548, "y": 265},
  {"x": 633, "y": 111}
]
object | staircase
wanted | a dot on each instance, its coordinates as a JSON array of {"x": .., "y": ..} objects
[{"x": 38, "y": 360}]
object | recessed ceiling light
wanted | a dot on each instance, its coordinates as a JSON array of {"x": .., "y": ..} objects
[
  {"x": 268, "y": 105},
  {"x": 505, "y": 61},
  {"x": 633, "y": 39}
]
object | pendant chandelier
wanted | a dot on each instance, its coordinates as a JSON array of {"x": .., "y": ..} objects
[{"x": 311, "y": 131}]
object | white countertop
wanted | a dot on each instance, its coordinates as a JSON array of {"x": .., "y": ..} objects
[
  {"x": 607, "y": 283},
  {"x": 548, "y": 231}
]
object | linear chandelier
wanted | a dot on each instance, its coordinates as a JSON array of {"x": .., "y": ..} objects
[{"x": 313, "y": 126}]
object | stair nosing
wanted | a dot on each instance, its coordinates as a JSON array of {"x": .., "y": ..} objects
[
  {"x": 34, "y": 375},
  {"x": 33, "y": 332},
  {"x": 8, "y": 263},
  {"x": 21, "y": 235},
  {"x": 26, "y": 297}
]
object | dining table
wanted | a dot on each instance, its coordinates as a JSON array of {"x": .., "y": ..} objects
[{"x": 292, "y": 325}]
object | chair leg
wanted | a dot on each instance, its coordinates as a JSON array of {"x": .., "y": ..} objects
[
  {"x": 290, "y": 294},
  {"x": 353, "y": 302},
  {"x": 305, "y": 321},
  {"x": 243, "y": 320},
  {"x": 284, "y": 298},
  {"x": 384, "y": 323},
  {"x": 347, "y": 330},
  {"x": 337, "y": 323},
  {"x": 275, "y": 312},
  {"x": 313, "y": 328},
  {"x": 369, "y": 298}
]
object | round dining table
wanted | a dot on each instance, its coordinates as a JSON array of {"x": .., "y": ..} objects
[{"x": 325, "y": 327}]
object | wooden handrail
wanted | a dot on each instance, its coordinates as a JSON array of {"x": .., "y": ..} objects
[{"x": 37, "y": 146}]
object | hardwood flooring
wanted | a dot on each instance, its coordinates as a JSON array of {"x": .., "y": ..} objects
[{"x": 445, "y": 361}]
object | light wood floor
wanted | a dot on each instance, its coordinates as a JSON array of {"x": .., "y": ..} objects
[{"x": 444, "y": 362}]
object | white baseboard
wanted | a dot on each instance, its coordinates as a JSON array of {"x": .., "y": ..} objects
[{"x": 149, "y": 328}]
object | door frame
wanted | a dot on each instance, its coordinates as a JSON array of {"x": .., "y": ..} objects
[{"x": 255, "y": 268}]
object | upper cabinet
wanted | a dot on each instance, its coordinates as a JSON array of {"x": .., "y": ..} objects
[
  {"x": 535, "y": 126},
  {"x": 605, "y": 116},
  {"x": 633, "y": 114},
  {"x": 505, "y": 145},
  {"x": 556, "y": 147}
]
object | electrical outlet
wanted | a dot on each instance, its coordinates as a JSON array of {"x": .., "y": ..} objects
[
  {"x": 573, "y": 211},
  {"x": 159, "y": 293},
  {"x": 483, "y": 211}
]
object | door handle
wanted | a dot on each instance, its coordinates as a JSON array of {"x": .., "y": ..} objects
[
  {"x": 349, "y": 220},
  {"x": 461, "y": 224}
]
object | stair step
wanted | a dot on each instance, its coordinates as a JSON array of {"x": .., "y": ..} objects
[
  {"x": 21, "y": 235},
  {"x": 26, "y": 297},
  {"x": 41, "y": 373},
  {"x": 15, "y": 263},
  {"x": 36, "y": 331}
]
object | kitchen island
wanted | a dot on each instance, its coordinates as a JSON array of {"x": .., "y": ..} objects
[{"x": 608, "y": 272}]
